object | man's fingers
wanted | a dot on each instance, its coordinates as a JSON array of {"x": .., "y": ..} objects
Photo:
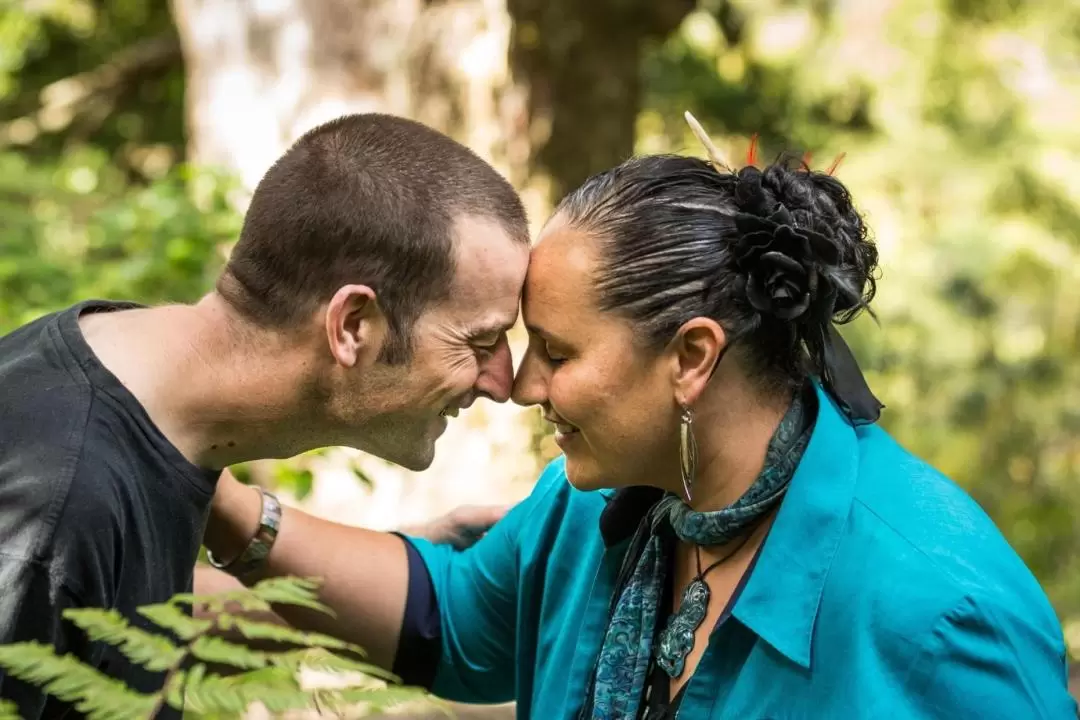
[
  {"x": 462, "y": 527},
  {"x": 477, "y": 519}
]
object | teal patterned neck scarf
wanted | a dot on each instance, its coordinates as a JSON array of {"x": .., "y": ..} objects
[{"x": 628, "y": 643}]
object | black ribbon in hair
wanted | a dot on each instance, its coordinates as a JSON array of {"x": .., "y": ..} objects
[{"x": 793, "y": 274}]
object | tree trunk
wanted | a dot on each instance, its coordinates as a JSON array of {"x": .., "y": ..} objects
[{"x": 581, "y": 62}]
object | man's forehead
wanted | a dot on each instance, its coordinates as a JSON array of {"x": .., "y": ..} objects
[
  {"x": 491, "y": 324},
  {"x": 489, "y": 268}
]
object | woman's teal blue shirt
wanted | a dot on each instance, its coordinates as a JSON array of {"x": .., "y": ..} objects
[{"x": 881, "y": 591}]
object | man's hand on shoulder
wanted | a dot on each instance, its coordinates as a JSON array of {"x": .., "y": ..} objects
[{"x": 462, "y": 527}]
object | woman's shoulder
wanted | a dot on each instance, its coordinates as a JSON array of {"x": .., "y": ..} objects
[{"x": 920, "y": 538}]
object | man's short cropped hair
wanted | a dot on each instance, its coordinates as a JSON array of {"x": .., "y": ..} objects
[{"x": 367, "y": 199}]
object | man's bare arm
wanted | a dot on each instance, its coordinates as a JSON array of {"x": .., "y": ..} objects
[
  {"x": 461, "y": 527},
  {"x": 364, "y": 573}
]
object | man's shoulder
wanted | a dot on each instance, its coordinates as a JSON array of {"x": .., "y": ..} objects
[
  {"x": 46, "y": 396},
  {"x": 47, "y": 410},
  {"x": 43, "y": 418}
]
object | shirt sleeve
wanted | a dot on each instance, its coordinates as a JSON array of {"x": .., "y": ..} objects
[
  {"x": 477, "y": 597},
  {"x": 417, "y": 658},
  {"x": 31, "y": 607},
  {"x": 987, "y": 662}
]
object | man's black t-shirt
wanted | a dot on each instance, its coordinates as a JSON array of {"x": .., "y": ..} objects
[{"x": 97, "y": 508}]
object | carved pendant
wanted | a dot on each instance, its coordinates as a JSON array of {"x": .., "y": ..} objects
[{"x": 677, "y": 639}]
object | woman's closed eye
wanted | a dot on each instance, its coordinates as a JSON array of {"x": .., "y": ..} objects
[{"x": 553, "y": 357}]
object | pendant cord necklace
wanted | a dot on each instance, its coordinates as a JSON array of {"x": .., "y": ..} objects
[
  {"x": 676, "y": 641},
  {"x": 727, "y": 556}
]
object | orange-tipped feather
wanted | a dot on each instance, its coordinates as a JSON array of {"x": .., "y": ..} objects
[
  {"x": 751, "y": 153},
  {"x": 835, "y": 164}
]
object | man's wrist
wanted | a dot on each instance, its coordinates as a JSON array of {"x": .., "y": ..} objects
[
  {"x": 234, "y": 519},
  {"x": 259, "y": 546}
]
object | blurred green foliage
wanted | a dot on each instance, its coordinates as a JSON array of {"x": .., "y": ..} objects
[
  {"x": 958, "y": 123},
  {"x": 74, "y": 230},
  {"x": 93, "y": 200}
]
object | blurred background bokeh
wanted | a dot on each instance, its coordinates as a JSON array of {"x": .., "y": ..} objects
[{"x": 132, "y": 131}]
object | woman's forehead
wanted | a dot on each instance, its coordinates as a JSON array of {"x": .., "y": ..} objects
[{"x": 561, "y": 267}]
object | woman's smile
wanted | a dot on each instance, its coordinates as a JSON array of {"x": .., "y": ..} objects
[
  {"x": 565, "y": 437},
  {"x": 564, "y": 432}
]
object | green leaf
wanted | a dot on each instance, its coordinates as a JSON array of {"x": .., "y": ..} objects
[
  {"x": 256, "y": 630},
  {"x": 9, "y": 711},
  {"x": 374, "y": 699},
  {"x": 94, "y": 694},
  {"x": 171, "y": 618},
  {"x": 298, "y": 480},
  {"x": 207, "y": 694},
  {"x": 326, "y": 661},
  {"x": 216, "y": 650},
  {"x": 244, "y": 599},
  {"x": 153, "y": 652},
  {"x": 302, "y": 592},
  {"x": 284, "y": 590},
  {"x": 176, "y": 686},
  {"x": 270, "y": 675}
]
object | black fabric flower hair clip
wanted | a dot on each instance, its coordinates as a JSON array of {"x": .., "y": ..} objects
[
  {"x": 789, "y": 272},
  {"x": 782, "y": 264}
]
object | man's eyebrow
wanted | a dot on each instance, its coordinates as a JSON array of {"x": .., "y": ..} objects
[{"x": 489, "y": 328}]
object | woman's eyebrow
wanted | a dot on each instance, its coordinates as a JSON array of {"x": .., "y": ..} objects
[{"x": 538, "y": 330}]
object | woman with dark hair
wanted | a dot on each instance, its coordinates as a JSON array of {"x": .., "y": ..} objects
[{"x": 728, "y": 533}]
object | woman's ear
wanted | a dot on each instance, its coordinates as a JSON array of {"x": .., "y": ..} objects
[
  {"x": 355, "y": 326},
  {"x": 695, "y": 350}
]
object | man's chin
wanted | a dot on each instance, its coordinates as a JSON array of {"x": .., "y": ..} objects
[
  {"x": 415, "y": 458},
  {"x": 416, "y": 463},
  {"x": 412, "y": 448}
]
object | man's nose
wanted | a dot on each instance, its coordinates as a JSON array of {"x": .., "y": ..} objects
[{"x": 496, "y": 378}]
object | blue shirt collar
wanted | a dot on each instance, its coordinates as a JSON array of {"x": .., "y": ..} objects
[{"x": 781, "y": 599}]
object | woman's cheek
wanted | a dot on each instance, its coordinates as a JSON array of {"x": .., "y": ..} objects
[
  {"x": 557, "y": 394},
  {"x": 569, "y": 395}
]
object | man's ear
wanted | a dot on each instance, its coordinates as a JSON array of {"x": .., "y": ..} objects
[
  {"x": 356, "y": 327},
  {"x": 695, "y": 350}
]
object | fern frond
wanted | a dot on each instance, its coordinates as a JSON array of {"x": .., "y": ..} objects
[
  {"x": 215, "y": 650},
  {"x": 302, "y": 592},
  {"x": 219, "y": 602},
  {"x": 9, "y": 710},
  {"x": 270, "y": 675},
  {"x": 282, "y": 590},
  {"x": 208, "y": 694},
  {"x": 176, "y": 685},
  {"x": 256, "y": 630},
  {"x": 94, "y": 694},
  {"x": 175, "y": 620},
  {"x": 326, "y": 661},
  {"x": 195, "y": 692},
  {"x": 377, "y": 700},
  {"x": 153, "y": 652}
]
